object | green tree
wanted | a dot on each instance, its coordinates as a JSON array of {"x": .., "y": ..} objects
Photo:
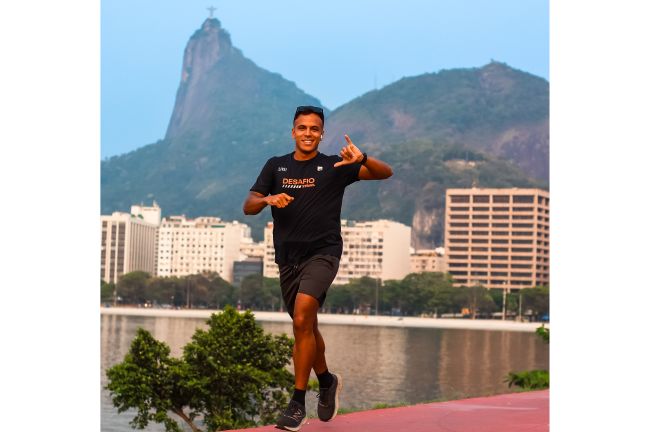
[
  {"x": 201, "y": 290},
  {"x": 536, "y": 300},
  {"x": 150, "y": 381},
  {"x": 273, "y": 293},
  {"x": 222, "y": 292},
  {"x": 418, "y": 293},
  {"x": 363, "y": 292},
  {"x": 477, "y": 299},
  {"x": 441, "y": 292},
  {"x": 260, "y": 293},
  {"x": 132, "y": 287},
  {"x": 231, "y": 375},
  {"x": 198, "y": 288},
  {"x": 392, "y": 296},
  {"x": 512, "y": 303},
  {"x": 338, "y": 299},
  {"x": 177, "y": 286},
  {"x": 403, "y": 296},
  {"x": 162, "y": 290},
  {"x": 107, "y": 292}
]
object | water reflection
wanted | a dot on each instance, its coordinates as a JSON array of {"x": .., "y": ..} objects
[{"x": 379, "y": 364}]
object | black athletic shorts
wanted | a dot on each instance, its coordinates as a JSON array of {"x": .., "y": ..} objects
[{"x": 313, "y": 277}]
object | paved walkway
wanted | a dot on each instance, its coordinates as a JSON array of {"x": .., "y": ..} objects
[{"x": 516, "y": 412}]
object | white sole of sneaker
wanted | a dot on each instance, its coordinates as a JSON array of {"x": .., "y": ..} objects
[
  {"x": 337, "y": 395},
  {"x": 293, "y": 429}
]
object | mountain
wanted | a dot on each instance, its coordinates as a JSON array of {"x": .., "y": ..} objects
[
  {"x": 494, "y": 109},
  {"x": 486, "y": 127},
  {"x": 222, "y": 92},
  {"x": 483, "y": 127},
  {"x": 230, "y": 116}
]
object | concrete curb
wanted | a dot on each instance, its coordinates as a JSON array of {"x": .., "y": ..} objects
[{"x": 338, "y": 319}]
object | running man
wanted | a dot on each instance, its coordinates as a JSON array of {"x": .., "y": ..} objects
[{"x": 305, "y": 190}]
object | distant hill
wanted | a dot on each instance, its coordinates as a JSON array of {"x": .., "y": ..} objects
[
  {"x": 486, "y": 127},
  {"x": 495, "y": 109}
]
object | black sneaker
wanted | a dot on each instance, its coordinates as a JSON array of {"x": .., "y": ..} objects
[
  {"x": 328, "y": 404},
  {"x": 293, "y": 417}
]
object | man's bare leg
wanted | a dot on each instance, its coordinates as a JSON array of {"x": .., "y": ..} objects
[
  {"x": 305, "y": 348},
  {"x": 308, "y": 353},
  {"x": 304, "y": 353},
  {"x": 319, "y": 366}
]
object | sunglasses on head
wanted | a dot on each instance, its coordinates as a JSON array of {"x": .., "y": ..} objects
[{"x": 309, "y": 109}]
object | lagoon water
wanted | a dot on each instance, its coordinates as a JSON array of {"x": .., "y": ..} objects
[{"x": 378, "y": 364}]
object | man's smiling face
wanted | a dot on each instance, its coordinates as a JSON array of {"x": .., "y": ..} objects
[{"x": 307, "y": 132}]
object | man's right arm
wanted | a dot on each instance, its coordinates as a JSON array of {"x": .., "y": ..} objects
[{"x": 256, "y": 202}]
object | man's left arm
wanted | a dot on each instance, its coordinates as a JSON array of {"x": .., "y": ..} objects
[
  {"x": 374, "y": 169},
  {"x": 371, "y": 169}
]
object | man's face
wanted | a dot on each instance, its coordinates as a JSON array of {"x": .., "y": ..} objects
[{"x": 307, "y": 132}]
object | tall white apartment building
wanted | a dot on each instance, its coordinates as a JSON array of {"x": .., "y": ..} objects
[
  {"x": 127, "y": 244},
  {"x": 270, "y": 268},
  {"x": 378, "y": 249},
  {"x": 250, "y": 249},
  {"x": 152, "y": 214},
  {"x": 428, "y": 260},
  {"x": 201, "y": 245}
]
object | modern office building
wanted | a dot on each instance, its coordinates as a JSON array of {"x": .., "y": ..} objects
[
  {"x": 378, "y": 249},
  {"x": 498, "y": 238},
  {"x": 127, "y": 244},
  {"x": 246, "y": 267},
  {"x": 428, "y": 260},
  {"x": 201, "y": 245}
]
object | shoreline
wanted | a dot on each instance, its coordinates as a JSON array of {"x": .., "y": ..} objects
[{"x": 340, "y": 319}]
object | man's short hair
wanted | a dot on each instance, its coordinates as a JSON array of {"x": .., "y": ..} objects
[{"x": 309, "y": 109}]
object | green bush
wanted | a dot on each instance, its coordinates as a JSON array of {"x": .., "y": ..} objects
[
  {"x": 231, "y": 375},
  {"x": 529, "y": 380},
  {"x": 534, "y": 379}
]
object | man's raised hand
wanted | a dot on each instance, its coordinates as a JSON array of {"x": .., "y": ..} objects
[
  {"x": 350, "y": 153},
  {"x": 280, "y": 200}
]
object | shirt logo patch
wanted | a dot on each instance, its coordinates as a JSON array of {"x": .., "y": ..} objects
[
  {"x": 282, "y": 169},
  {"x": 319, "y": 168},
  {"x": 298, "y": 183}
]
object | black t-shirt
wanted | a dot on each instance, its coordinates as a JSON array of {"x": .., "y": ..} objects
[{"x": 310, "y": 224}]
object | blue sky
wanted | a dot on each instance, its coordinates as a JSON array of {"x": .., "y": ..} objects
[{"x": 335, "y": 50}]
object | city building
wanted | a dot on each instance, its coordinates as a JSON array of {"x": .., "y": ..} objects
[
  {"x": 270, "y": 268},
  {"x": 250, "y": 249},
  {"x": 245, "y": 268},
  {"x": 152, "y": 214},
  {"x": 378, "y": 249},
  {"x": 127, "y": 244},
  {"x": 498, "y": 238},
  {"x": 428, "y": 260},
  {"x": 201, "y": 245}
]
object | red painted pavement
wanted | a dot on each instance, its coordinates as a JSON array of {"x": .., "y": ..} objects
[{"x": 517, "y": 412}]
